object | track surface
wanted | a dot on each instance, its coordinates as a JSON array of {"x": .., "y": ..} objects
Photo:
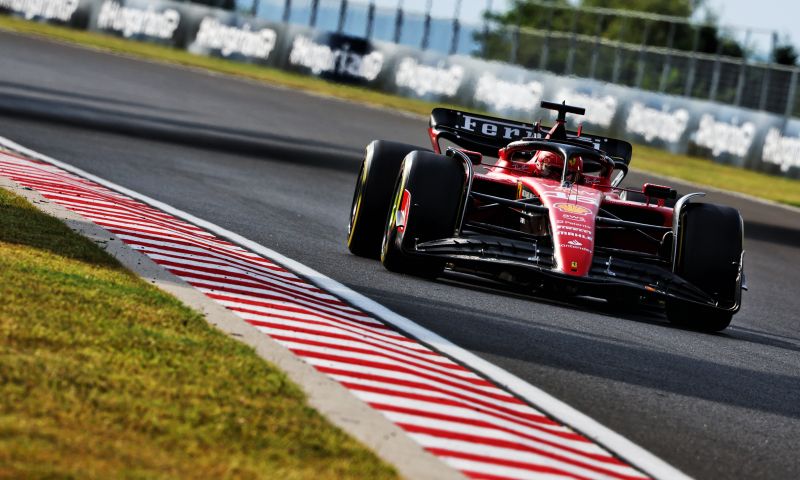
[{"x": 715, "y": 406}]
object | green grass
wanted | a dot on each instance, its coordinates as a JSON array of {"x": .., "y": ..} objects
[
  {"x": 693, "y": 169},
  {"x": 705, "y": 172},
  {"x": 104, "y": 376}
]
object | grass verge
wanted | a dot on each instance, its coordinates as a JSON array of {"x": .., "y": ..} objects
[
  {"x": 104, "y": 376},
  {"x": 705, "y": 172},
  {"x": 647, "y": 159}
]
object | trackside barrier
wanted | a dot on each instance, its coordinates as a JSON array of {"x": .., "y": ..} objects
[{"x": 731, "y": 135}]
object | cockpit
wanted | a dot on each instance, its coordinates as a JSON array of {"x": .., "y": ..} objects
[{"x": 582, "y": 167}]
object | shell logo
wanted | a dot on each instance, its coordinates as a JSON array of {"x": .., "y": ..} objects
[{"x": 572, "y": 208}]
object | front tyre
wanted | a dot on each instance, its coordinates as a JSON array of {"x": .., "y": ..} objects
[
  {"x": 709, "y": 254},
  {"x": 372, "y": 197},
  {"x": 426, "y": 202}
]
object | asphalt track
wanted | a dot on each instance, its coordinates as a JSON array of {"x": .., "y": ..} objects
[{"x": 278, "y": 167}]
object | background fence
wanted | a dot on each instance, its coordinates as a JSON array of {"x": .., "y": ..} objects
[
  {"x": 723, "y": 132},
  {"x": 656, "y": 53}
]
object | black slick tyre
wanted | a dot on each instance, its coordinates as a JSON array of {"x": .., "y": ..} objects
[
  {"x": 709, "y": 253},
  {"x": 372, "y": 197},
  {"x": 435, "y": 186}
]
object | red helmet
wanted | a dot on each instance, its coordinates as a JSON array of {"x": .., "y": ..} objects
[{"x": 551, "y": 165}]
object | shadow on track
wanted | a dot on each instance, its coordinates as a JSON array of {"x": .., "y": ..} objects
[
  {"x": 780, "y": 235},
  {"x": 215, "y": 137},
  {"x": 764, "y": 338},
  {"x": 66, "y": 96},
  {"x": 602, "y": 356}
]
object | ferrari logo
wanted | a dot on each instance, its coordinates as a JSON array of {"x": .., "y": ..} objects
[{"x": 574, "y": 266}]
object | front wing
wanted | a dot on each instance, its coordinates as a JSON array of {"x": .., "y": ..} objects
[{"x": 527, "y": 262}]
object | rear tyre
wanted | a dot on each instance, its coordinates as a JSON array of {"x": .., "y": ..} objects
[
  {"x": 709, "y": 252},
  {"x": 435, "y": 185},
  {"x": 372, "y": 197}
]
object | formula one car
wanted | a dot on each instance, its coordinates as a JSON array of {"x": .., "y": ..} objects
[{"x": 542, "y": 209}]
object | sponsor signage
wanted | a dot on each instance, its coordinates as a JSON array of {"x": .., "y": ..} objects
[
  {"x": 662, "y": 123},
  {"x": 723, "y": 133},
  {"x": 600, "y": 108},
  {"x": 60, "y": 10},
  {"x": 721, "y": 137},
  {"x": 70, "y": 12},
  {"x": 780, "y": 150},
  {"x": 336, "y": 57},
  {"x": 134, "y": 21},
  {"x": 501, "y": 95},
  {"x": 247, "y": 40},
  {"x": 438, "y": 79}
]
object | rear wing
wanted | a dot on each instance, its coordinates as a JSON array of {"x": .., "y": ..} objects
[{"x": 485, "y": 134}]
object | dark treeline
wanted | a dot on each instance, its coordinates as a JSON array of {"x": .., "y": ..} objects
[{"x": 708, "y": 38}]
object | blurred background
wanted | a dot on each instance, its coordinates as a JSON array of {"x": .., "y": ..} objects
[
  {"x": 729, "y": 51},
  {"x": 708, "y": 78}
]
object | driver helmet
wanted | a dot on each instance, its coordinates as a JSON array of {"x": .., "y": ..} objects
[{"x": 550, "y": 165}]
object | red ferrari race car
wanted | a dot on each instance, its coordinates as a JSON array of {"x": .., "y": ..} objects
[{"x": 542, "y": 209}]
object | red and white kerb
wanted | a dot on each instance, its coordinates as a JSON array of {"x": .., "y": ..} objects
[{"x": 468, "y": 422}]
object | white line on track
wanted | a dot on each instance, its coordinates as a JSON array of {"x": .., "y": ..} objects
[{"x": 626, "y": 449}]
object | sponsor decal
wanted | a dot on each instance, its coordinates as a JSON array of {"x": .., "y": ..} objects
[
  {"x": 575, "y": 246},
  {"x": 600, "y": 110},
  {"x": 503, "y": 95},
  {"x": 573, "y": 266},
  {"x": 133, "y": 21},
  {"x": 521, "y": 167},
  {"x": 46, "y": 9},
  {"x": 572, "y": 208},
  {"x": 653, "y": 124},
  {"x": 425, "y": 79},
  {"x": 321, "y": 58},
  {"x": 780, "y": 150},
  {"x": 575, "y": 243},
  {"x": 229, "y": 40},
  {"x": 567, "y": 230},
  {"x": 575, "y": 235},
  {"x": 402, "y": 212},
  {"x": 574, "y": 218},
  {"x": 504, "y": 130},
  {"x": 724, "y": 137},
  {"x": 523, "y": 192},
  {"x": 577, "y": 198},
  {"x": 579, "y": 226}
]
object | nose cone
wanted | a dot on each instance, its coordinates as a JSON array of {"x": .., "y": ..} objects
[
  {"x": 572, "y": 212},
  {"x": 573, "y": 236}
]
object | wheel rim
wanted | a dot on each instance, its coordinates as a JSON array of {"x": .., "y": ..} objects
[
  {"x": 356, "y": 205},
  {"x": 391, "y": 220}
]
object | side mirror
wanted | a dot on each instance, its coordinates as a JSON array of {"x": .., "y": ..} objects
[
  {"x": 619, "y": 173},
  {"x": 658, "y": 191},
  {"x": 474, "y": 157}
]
